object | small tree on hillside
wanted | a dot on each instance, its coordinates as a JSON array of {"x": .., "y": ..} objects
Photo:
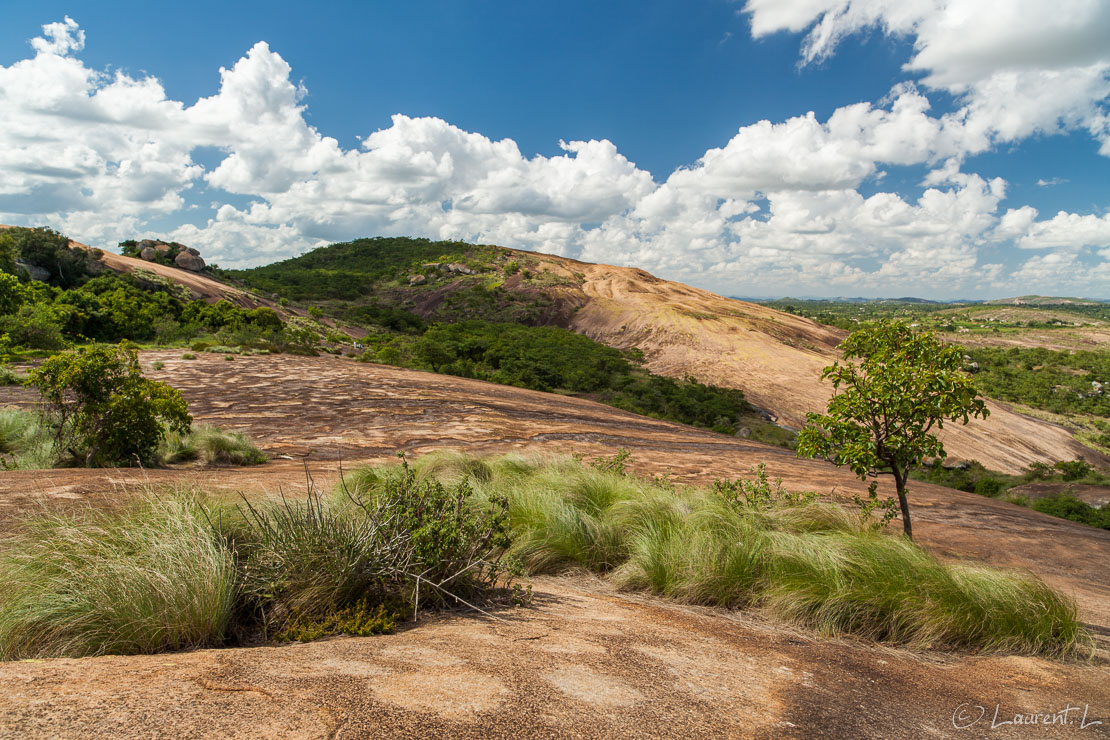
[
  {"x": 897, "y": 386},
  {"x": 104, "y": 409}
]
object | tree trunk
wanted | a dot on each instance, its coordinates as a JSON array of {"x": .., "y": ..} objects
[{"x": 900, "y": 485}]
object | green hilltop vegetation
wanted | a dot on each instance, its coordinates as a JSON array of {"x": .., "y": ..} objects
[{"x": 352, "y": 270}]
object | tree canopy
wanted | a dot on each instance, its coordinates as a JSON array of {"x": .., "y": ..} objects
[{"x": 894, "y": 387}]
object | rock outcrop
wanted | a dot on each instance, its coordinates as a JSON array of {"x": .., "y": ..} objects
[{"x": 186, "y": 260}]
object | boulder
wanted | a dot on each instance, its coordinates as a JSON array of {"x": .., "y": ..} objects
[
  {"x": 459, "y": 268},
  {"x": 37, "y": 273},
  {"x": 190, "y": 250},
  {"x": 417, "y": 279},
  {"x": 187, "y": 261},
  {"x": 148, "y": 253},
  {"x": 162, "y": 247},
  {"x": 433, "y": 265}
]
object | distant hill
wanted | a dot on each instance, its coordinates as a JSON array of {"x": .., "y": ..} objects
[
  {"x": 1041, "y": 300},
  {"x": 846, "y": 299}
]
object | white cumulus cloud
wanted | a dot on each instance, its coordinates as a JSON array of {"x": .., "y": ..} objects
[{"x": 787, "y": 206}]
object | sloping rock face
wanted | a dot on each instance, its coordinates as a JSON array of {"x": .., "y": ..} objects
[{"x": 186, "y": 260}]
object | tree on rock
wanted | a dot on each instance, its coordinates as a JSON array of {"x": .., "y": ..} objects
[
  {"x": 103, "y": 410},
  {"x": 894, "y": 387}
]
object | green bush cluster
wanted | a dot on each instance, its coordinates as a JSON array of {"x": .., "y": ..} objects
[
  {"x": 44, "y": 249},
  {"x": 1067, "y": 506},
  {"x": 101, "y": 408},
  {"x": 73, "y": 305},
  {"x": 551, "y": 359},
  {"x": 350, "y": 270},
  {"x": 1055, "y": 381}
]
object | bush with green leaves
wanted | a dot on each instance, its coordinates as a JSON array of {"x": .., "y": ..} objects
[
  {"x": 13, "y": 293},
  {"x": 104, "y": 412},
  {"x": 893, "y": 388},
  {"x": 404, "y": 542},
  {"x": 1067, "y": 506}
]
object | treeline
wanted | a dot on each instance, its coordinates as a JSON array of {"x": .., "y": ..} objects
[
  {"x": 71, "y": 304},
  {"x": 553, "y": 359}
]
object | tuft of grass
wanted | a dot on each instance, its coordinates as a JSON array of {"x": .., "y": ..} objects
[
  {"x": 188, "y": 356},
  {"x": 747, "y": 543},
  {"x": 211, "y": 445},
  {"x": 25, "y": 441},
  {"x": 10, "y": 376},
  {"x": 158, "y": 365},
  {"x": 391, "y": 539},
  {"x": 153, "y": 577}
]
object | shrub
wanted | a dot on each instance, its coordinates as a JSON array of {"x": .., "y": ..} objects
[
  {"x": 102, "y": 407},
  {"x": 1073, "y": 470},
  {"x": 34, "y": 327},
  {"x": 12, "y": 294},
  {"x": 406, "y": 541},
  {"x": 1067, "y": 506}
]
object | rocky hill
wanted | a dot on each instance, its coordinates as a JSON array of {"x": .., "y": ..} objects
[{"x": 776, "y": 358}]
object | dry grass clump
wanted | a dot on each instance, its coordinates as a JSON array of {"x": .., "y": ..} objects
[{"x": 793, "y": 557}]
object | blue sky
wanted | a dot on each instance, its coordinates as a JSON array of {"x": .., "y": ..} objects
[{"x": 1017, "y": 201}]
